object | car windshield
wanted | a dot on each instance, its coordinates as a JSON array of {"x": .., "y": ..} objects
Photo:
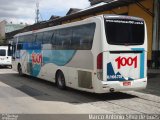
[{"x": 2, "y": 52}]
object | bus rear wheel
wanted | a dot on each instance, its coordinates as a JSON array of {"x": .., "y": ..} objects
[{"x": 60, "y": 81}]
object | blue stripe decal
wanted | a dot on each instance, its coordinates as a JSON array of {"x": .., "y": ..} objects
[
  {"x": 38, "y": 58},
  {"x": 31, "y": 46},
  {"x": 112, "y": 76},
  {"x": 58, "y": 57},
  {"x": 142, "y": 57}
]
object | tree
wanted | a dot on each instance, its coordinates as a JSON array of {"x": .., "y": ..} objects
[{"x": 2, "y": 40}]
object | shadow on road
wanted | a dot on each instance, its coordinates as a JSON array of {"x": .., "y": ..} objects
[
  {"x": 152, "y": 75},
  {"x": 153, "y": 83},
  {"x": 47, "y": 91}
]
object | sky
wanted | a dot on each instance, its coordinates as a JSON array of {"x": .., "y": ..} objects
[{"x": 17, "y": 11}]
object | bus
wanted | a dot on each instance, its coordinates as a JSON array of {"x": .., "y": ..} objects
[
  {"x": 100, "y": 54},
  {"x": 5, "y": 57}
]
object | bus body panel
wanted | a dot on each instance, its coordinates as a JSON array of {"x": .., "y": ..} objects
[{"x": 124, "y": 66}]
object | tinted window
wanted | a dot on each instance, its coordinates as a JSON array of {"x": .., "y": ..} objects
[
  {"x": 39, "y": 37},
  {"x": 47, "y": 37},
  {"x": 72, "y": 38},
  {"x": 76, "y": 42},
  {"x": 19, "y": 46},
  {"x": 124, "y": 32},
  {"x": 27, "y": 38},
  {"x": 14, "y": 50},
  {"x": 2, "y": 52},
  {"x": 83, "y": 36},
  {"x": 21, "y": 39},
  {"x": 53, "y": 40},
  {"x": 15, "y": 40},
  {"x": 64, "y": 38}
]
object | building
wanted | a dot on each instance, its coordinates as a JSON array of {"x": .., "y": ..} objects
[
  {"x": 149, "y": 10},
  {"x": 12, "y": 27},
  {"x": 2, "y": 28},
  {"x": 93, "y": 2},
  {"x": 6, "y": 27},
  {"x": 54, "y": 17},
  {"x": 73, "y": 10}
]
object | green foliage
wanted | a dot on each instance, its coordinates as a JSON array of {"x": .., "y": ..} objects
[{"x": 2, "y": 40}]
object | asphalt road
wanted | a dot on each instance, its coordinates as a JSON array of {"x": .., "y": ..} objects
[
  {"x": 28, "y": 95},
  {"x": 153, "y": 86}
]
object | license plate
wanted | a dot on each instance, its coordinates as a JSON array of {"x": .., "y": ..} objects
[{"x": 126, "y": 83}]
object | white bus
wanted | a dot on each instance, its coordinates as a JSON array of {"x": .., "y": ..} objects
[
  {"x": 99, "y": 54},
  {"x": 5, "y": 57}
]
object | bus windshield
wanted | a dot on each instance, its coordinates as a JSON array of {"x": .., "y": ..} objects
[{"x": 124, "y": 32}]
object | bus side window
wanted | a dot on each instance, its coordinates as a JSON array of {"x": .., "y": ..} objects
[
  {"x": 19, "y": 46},
  {"x": 66, "y": 37},
  {"x": 53, "y": 40},
  {"x": 21, "y": 39},
  {"x": 83, "y": 37},
  {"x": 47, "y": 37},
  {"x": 29, "y": 38},
  {"x": 57, "y": 39},
  {"x": 77, "y": 39},
  {"x": 39, "y": 38},
  {"x": 87, "y": 31},
  {"x": 34, "y": 38},
  {"x": 13, "y": 51}
]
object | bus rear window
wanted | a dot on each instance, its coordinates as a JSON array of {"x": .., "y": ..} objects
[
  {"x": 2, "y": 52},
  {"x": 124, "y": 32}
]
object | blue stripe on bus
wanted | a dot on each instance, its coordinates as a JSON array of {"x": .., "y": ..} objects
[
  {"x": 142, "y": 58},
  {"x": 112, "y": 76},
  {"x": 31, "y": 46},
  {"x": 57, "y": 57}
]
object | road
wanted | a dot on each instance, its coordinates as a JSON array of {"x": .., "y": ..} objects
[
  {"x": 153, "y": 86},
  {"x": 30, "y": 95}
]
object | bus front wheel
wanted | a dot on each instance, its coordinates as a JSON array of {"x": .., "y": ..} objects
[{"x": 60, "y": 80}]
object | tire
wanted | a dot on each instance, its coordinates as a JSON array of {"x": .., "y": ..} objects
[
  {"x": 60, "y": 81},
  {"x": 20, "y": 70},
  {"x": 10, "y": 66}
]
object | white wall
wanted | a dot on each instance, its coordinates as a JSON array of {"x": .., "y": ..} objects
[{"x": 2, "y": 28}]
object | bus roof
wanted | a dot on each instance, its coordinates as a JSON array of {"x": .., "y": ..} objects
[
  {"x": 123, "y": 17},
  {"x": 77, "y": 22}
]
